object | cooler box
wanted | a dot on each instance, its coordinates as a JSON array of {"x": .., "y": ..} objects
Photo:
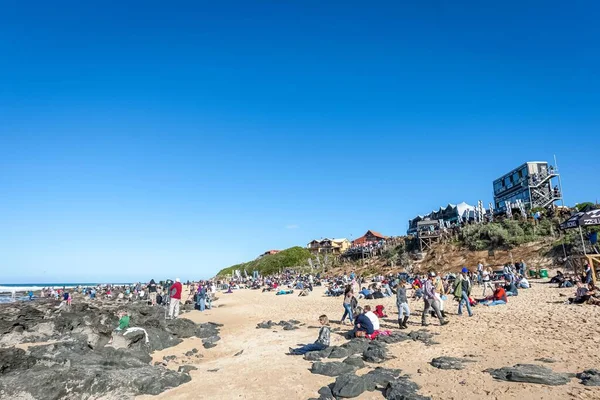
[
  {"x": 532, "y": 273},
  {"x": 543, "y": 273}
]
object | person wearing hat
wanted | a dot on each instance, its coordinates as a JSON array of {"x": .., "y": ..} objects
[
  {"x": 462, "y": 291},
  {"x": 175, "y": 294},
  {"x": 431, "y": 301}
]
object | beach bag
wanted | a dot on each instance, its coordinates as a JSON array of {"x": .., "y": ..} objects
[{"x": 458, "y": 289}]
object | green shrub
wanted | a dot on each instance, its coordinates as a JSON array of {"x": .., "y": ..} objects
[{"x": 270, "y": 264}]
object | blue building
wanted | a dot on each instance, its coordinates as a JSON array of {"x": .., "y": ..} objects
[{"x": 535, "y": 183}]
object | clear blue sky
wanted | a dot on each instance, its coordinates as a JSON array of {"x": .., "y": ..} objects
[{"x": 161, "y": 139}]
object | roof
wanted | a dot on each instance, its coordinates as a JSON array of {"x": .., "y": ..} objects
[
  {"x": 376, "y": 234},
  {"x": 339, "y": 240}
]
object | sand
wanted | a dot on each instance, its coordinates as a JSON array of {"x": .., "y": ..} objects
[{"x": 536, "y": 324}]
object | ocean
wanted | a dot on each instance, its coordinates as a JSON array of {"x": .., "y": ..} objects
[{"x": 6, "y": 289}]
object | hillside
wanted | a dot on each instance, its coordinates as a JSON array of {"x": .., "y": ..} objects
[
  {"x": 495, "y": 244},
  {"x": 290, "y": 258}
]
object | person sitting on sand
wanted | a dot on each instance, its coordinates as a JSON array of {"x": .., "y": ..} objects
[
  {"x": 322, "y": 341},
  {"x": 372, "y": 317},
  {"x": 511, "y": 288},
  {"x": 581, "y": 294},
  {"x": 362, "y": 326},
  {"x": 365, "y": 293},
  {"x": 523, "y": 283},
  {"x": 497, "y": 299}
]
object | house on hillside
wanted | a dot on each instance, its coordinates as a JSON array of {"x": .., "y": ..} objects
[
  {"x": 369, "y": 237},
  {"x": 269, "y": 253},
  {"x": 332, "y": 246},
  {"x": 450, "y": 214}
]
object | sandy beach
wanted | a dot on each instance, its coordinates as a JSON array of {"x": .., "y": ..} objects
[{"x": 534, "y": 325}]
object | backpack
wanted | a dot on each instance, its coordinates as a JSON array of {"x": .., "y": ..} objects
[{"x": 458, "y": 289}]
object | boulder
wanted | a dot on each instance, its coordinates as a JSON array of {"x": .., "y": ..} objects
[
  {"x": 375, "y": 352},
  {"x": 185, "y": 369},
  {"x": 348, "y": 386},
  {"x": 380, "y": 378},
  {"x": 355, "y": 361},
  {"x": 449, "y": 363},
  {"x": 312, "y": 356},
  {"x": 339, "y": 352},
  {"x": 403, "y": 389},
  {"x": 332, "y": 369},
  {"x": 530, "y": 374},
  {"x": 590, "y": 377}
]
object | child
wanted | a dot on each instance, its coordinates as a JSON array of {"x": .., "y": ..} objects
[
  {"x": 321, "y": 343},
  {"x": 402, "y": 303},
  {"x": 123, "y": 323}
]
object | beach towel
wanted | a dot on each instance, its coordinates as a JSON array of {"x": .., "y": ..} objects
[{"x": 375, "y": 334}]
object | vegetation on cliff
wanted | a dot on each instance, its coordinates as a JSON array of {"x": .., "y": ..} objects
[{"x": 270, "y": 264}]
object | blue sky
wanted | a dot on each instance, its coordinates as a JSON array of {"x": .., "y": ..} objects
[{"x": 148, "y": 139}]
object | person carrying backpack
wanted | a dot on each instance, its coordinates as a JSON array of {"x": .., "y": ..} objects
[{"x": 462, "y": 291}]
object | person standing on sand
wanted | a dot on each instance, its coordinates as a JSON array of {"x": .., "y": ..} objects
[
  {"x": 486, "y": 280},
  {"x": 402, "y": 303},
  {"x": 430, "y": 301},
  {"x": 175, "y": 294},
  {"x": 201, "y": 296},
  {"x": 348, "y": 295},
  {"x": 462, "y": 291}
]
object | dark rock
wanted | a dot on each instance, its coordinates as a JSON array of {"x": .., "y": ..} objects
[
  {"x": 66, "y": 371},
  {"x": 355, "y": 361},
  {"x": 169, "y": 358},
  {"x": 449, "y": 363},
  {"x": 13, "y": 359},
  {"x": 546, "y": 360},
  {"x": 325, "y": 391},
  {"x": 339, "y": 352},
  {"x": 590, "y": 377},
  {"x": 265, "y": 325},
  {"x": 395, "y": 337},
  {"x": 530, "y": 374},
  {"x": 380, "y": 378},
  {"x": 332, "y": 369},
  {"x": 80, "y": 365},
  {"x": 312, "y": 356},
  {"x": 423, "y": 336},
  {"x": 239, "y": 353},
  {"x": 185, "y": 369},
  {"x": 356, "y": 346},
  {"x": 213, "y": 370},
  {"x": 348, "y": 386},
  {"x": 289, "y": 327},
  {"x": 375, "y": 353},
  {"x": 403, "y": 389}
]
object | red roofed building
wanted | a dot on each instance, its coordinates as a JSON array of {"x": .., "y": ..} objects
[{"x": 370, "y": 236}]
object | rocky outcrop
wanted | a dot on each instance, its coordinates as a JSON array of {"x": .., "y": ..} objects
[
  {"x": 449, "y": 363},
  {"x": 81, "y": 364},
  {"x": 529, "y": 373},
  {"x": 590, "y": 377}
]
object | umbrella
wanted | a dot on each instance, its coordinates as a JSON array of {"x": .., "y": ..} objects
[
  {"x": 589, "y": 218},
  {"x": 581, "y": 219}
]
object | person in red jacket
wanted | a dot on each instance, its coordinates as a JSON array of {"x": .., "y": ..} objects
[
  {"x": 175, "y": 294},
  {"x": 499, "y": 297}
]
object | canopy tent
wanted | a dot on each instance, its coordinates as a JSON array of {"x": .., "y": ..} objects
[{"x": 582, "y": 219}]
